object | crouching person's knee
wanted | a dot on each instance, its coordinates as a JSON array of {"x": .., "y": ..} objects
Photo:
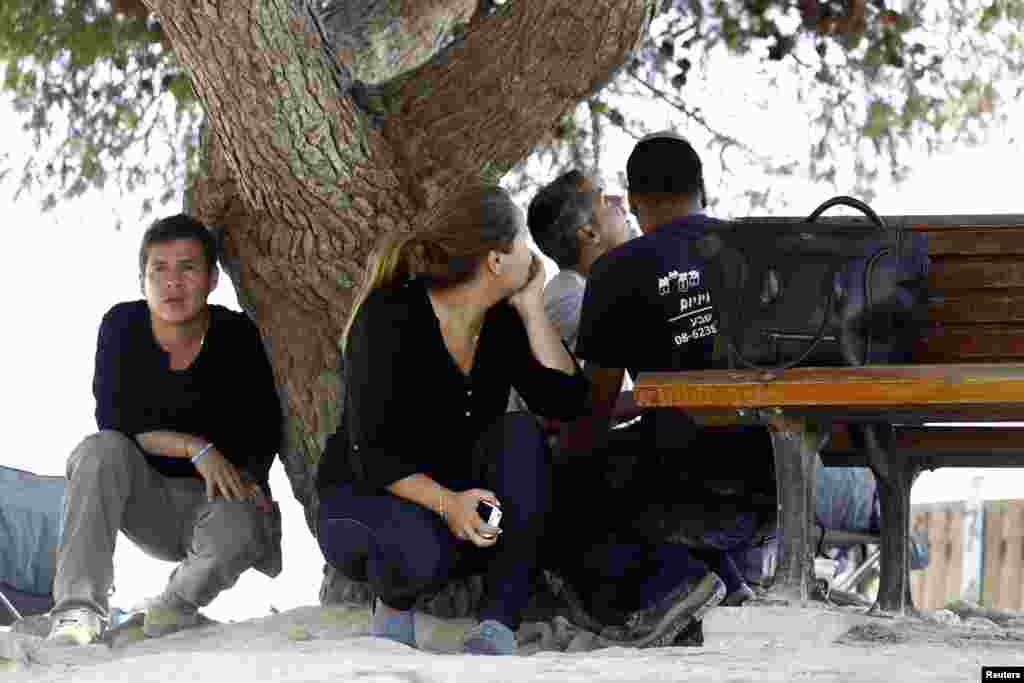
[
  {"x": 398, "y": 573},
  {"x": 105, "y": 449},
  {"x": 231, "y": 534},
  {"x": 346, "y": 546}
]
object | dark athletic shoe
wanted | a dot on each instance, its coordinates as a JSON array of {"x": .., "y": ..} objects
[
  {"x": 658, "y": 625},
  {"x": 739, "y": 596},
  {"x": 692, "y": 635},
  {"x": 578, "y": 613}
]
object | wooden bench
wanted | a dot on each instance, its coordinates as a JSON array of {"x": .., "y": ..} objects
[{"x": 968, "y": 367}]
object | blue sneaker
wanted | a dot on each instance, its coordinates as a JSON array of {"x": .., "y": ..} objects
[
  {"x": 393, "y": 624},
  {"x": 489, "y": 637}
]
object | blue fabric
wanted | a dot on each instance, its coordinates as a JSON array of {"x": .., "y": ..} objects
[
  {"x": 489, "y": 637},
  {"x": 919, "y": 550},
  {"x": 846, "y": 498},
  {"x": 394, "y": 625},
  {"x": 27, "y": 604},
  {"x": 30, "y": 528}
]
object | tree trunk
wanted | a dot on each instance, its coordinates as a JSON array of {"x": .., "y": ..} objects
[{"x": 305, "y": 165}]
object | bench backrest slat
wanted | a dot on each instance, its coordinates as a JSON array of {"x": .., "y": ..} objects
[{"x": 976, "y": 308}]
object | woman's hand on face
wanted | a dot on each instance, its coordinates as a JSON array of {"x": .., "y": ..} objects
[
  {"x": 530, "y": 297},
  {"x": 465, "y": 523}
]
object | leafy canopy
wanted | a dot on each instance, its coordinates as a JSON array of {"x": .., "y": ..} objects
[
  {"x": 105, "y": 101},
  {"x": 101, "y": 96},
  {"x": 850, "y": 87}
]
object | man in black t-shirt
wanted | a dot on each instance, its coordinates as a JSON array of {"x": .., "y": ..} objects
[
  {"x": 647, "y": 308},
  {"x": 189, "y": 425}
]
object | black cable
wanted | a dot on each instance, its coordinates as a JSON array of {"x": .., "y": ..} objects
[
  {"x": 868, "y": 272},
  {"x": 818, "y": 337}
]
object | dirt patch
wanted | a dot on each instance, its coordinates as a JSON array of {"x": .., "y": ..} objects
[{"x": 917, "y": 631}]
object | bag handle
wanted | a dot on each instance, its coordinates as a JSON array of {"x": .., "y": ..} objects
[{"x": 853, "y": 203}]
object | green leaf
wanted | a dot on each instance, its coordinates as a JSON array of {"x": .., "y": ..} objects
[{"x": 880, "y": 119}]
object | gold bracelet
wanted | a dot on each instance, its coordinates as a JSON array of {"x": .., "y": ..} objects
[{"x": 444, "y": 513}]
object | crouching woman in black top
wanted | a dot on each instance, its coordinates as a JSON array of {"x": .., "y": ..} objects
[{"x": 449, "y": 318}]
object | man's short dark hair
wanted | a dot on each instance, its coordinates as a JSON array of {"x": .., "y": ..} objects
[
  {"x": 556, "y": 213},
  {"x": 178, "y": 227},
  {"x": 665, "y": 163}
]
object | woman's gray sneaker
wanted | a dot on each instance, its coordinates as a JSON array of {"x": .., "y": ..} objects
[
  {"x": 397, "y": 625},
  {"x": 489, "y": 637},
  {"x": 658, "y": 625}
]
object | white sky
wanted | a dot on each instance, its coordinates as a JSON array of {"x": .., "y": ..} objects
[{"x": 66, "y": 268}]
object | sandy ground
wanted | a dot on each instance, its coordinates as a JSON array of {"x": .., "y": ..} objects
[{"x": 330, "y": 644}]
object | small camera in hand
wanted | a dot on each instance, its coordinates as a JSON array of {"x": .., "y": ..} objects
[{"x": 489, "y": 512}]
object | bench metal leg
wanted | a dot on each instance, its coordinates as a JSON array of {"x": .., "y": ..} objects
[
  {"x": 895, "y": 475},
  {"x": 795, "y": 458}
]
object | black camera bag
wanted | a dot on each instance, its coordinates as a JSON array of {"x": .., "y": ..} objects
[{"x": 842, "y": 292}]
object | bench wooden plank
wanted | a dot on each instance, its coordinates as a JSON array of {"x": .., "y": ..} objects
[
  {"x": 975, "y": 242},
  {"x": 935, "y": 223},
  {"x": 935, "y": 438},
  {"x": 963, "y": 413},
  {"x": 871, "y": 386},
  {"x": 946, "y": 274},
  {"x": 928, "y": 459},
  {"x": 983, "y": 343},
  {"x": 977, "y": 306}
]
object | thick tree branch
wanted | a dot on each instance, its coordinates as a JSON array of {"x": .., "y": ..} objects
[
  {"x": 379, "y": 41},
  {"x": 294, "y": 143},
  {"x": 488, "y": 99}
]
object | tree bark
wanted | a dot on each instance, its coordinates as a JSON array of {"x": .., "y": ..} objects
[
  {"x": 301, "y": 173},
  {"x": 379, "y": 41},
  {"x": 482, "y": 105},
  {"x": 133, "y": 8}
]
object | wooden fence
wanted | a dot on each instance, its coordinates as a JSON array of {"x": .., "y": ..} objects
[{"x": 955, "y": 570}]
